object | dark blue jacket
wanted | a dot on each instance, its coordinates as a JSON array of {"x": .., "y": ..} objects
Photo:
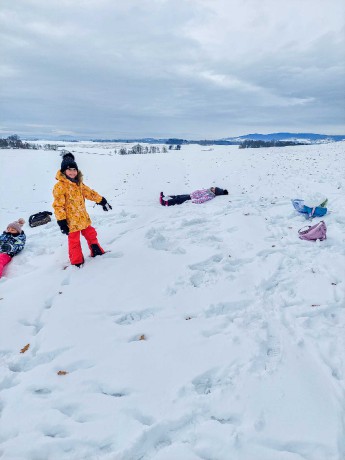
[{"x": 12, "y": 244}]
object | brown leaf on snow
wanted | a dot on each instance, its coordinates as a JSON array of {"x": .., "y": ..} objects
[
  {"x": 142, "y": 337},
  {"x": 23, "y": 350},
  {"x": 62, "y": 373}
]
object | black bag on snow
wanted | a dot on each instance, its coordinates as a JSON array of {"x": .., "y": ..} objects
[{"x": 40, "y": 218}]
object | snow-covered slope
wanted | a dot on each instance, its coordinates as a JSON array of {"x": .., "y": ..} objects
[{"x": 207, "y": 332}]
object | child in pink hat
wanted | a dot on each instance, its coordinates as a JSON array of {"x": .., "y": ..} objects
[{"x": 12, "y": 241}]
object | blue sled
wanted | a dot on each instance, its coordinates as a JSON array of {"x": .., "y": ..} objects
[{"x": 300, "y": 207}]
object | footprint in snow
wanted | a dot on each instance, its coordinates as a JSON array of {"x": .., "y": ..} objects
[
  {"x": 273, "y": 353},
  {"x": 54, "y": 431},
  {"x": 205, "y": 272},
  {"x": 157, "y": 240},
  {"x": 114, "y": 393},
  {"x": 145, "y": 420},
  {"x": 41, "y": 392},
  {"x": 232, "y": 419},
  {"x": 227, "y": 308},
  {"x": 212, "y": 381},
  {"x": 8, "y": 382},
  {"x": 134, "y": 317},
  {"x": 65, "y": 281},
  {"x": 75, "y": 412},
  {"x": 36, "y": 326},
  {"x": 49, "y": 302},
  {"x": 195, "y": 221},
  {"x": 208, "y": 264}
]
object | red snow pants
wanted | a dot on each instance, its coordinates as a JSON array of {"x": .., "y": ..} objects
[
  {"x": 74, "y": 246},
  {"x": 4, "y": 260}
]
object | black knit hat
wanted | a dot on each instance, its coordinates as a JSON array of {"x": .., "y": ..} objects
[
  {"x": 220, "y": 191},
  {"x": 68, "y": 162}
]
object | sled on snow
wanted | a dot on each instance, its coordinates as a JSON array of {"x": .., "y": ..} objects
[{"x": 310, "y": 212}]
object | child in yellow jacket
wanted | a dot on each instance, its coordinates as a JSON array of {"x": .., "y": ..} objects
[{"x": 70, "y": 211}]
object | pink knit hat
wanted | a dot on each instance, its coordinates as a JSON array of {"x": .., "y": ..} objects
[{"x": 17, "y": 225}]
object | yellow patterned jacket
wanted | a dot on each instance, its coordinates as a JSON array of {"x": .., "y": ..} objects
[{"x": 69, "y": 201}]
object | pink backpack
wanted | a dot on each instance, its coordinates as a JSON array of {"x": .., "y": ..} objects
[{"x": 313, "y": 233}]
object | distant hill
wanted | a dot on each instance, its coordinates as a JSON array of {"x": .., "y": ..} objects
[{"x": 289, "y": 136}]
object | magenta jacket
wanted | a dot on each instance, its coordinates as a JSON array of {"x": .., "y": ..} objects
[{"x": 200, "y": 196}]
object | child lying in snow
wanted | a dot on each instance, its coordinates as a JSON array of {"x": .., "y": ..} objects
[
  {"x": 199, "y": 196},
  {"x": 12, "y": 241}
]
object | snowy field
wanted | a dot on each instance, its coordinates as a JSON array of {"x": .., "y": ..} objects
[{"x": 208, "y": 332}]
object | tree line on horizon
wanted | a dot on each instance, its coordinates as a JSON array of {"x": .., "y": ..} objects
[
  {"x": 139, "y": 149},
  {"x": 250, "y": 144},
  {"x": 14, "y": 142}
]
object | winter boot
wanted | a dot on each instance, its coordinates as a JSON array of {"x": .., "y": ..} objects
[
  {"x": 80, "y": 265},
  {"x": 96, "y": 250},
  {"x": 163, "y": 202}
]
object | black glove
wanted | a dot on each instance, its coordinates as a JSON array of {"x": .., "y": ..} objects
[
  {"x": 105, "y": 205},
  {"x": 5, "y": 247},
  {"x": 63, "y": 226}
]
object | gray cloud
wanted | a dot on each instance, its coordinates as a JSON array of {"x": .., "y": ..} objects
[{"x": 195, "y": 68}]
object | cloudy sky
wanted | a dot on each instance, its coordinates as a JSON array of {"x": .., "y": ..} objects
[{"x": 163, "y": 68}]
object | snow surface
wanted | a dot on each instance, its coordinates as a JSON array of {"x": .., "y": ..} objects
[{"x": 242, "y": 324}]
